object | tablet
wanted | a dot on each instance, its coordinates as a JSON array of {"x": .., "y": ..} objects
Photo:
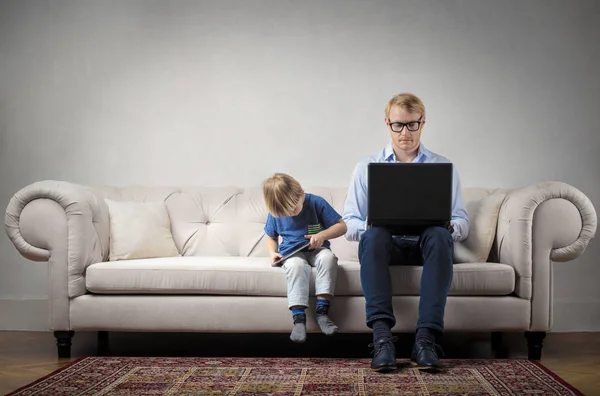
[{"x": 290, "y": 254}]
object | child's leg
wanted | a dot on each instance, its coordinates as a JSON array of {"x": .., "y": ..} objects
[
  {"x": 326, "y": 263},
  {"x": 297, "y": 272}
]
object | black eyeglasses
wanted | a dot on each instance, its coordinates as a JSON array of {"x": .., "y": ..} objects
[{"x": 412, "y": 126}]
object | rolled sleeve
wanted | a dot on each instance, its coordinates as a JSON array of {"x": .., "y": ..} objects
[{"x": 355, "y": 207}]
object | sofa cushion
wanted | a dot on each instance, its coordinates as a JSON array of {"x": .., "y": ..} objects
[
  {"x": 255, "y": 276},
  {"x": 204, "y": 221},
  {"x": 139, "y": 230}
]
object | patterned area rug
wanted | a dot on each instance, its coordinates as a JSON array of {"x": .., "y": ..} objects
[{"x": 277, "y": 376}]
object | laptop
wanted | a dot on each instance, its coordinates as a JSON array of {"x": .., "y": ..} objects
[{"x": 406, "y": 198}]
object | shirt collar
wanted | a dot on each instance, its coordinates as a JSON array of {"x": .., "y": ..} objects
[{"x": 388, "y": 153}]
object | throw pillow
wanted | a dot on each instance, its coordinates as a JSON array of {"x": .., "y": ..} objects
[
  {"x": 483, "y": 214},
  {"x": 139, "y": 230}
]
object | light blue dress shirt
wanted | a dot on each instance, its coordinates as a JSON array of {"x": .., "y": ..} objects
[{"x": 355, "y": 208}]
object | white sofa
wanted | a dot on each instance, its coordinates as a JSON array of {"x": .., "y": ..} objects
[{"x": 223, "y": 281}]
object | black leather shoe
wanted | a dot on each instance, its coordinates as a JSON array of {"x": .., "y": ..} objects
[
  {"x": 384, "y": 355},
  {"x": 425, "y": 355}
]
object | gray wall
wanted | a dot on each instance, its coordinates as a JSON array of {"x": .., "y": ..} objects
[{"x": 226, "y": 92}]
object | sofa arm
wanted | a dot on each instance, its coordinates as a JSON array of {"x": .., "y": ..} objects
[
  {"x": 62, "y": 223},
  {"x": 539, "y": 224}
]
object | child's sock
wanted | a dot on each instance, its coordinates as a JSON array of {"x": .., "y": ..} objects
[
  {"x": 299, "y": 330},
  {"x": 323, "y": 320}
]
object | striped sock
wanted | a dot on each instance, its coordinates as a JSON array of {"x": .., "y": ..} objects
[
  {"x": 299, "y": 330},
  {"x": 322, "y": 303},
  {"x": 323, "y": 320},
  {"x": 297, "y": 311}
]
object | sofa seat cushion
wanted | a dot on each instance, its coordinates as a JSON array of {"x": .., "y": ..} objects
[{"x": 254, "y": 276}]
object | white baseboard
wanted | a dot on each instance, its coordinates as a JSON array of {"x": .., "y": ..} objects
[{"x": 24, "y": 314}]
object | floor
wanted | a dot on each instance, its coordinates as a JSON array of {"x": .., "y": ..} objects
[{"x": 26, "y": 356}]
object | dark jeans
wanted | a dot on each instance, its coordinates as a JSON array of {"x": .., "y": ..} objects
[{"x": 434, "y": 251}]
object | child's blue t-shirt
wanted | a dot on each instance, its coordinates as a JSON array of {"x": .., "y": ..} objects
[{"x": 316, "y": 215}]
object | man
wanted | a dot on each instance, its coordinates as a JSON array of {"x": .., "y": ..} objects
[{"x": 378, "y": 249}]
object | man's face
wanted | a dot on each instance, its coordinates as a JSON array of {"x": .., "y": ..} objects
[{"x": 410, "y": 136}]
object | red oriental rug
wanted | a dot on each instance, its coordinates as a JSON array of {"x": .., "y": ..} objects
[{"x": 287, "y": 376}]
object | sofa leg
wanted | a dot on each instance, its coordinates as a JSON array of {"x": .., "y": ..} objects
[
  {"x": 535, "y": 342},
  {"x": 63, "y": 342},
  {"x": 103, "y": 344}
]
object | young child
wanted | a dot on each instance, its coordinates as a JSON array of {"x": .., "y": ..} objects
[{"x": 299, "y": 217}]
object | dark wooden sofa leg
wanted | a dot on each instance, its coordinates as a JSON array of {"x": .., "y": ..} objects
[
  {"x": 535, "y": 342},
  {"x": 63, "y": 342},
  {"x": 103, "y": 344}
]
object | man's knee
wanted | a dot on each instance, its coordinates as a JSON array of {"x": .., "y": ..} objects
[
  {"x": 437, "y": 235},
  {"x": 373, "y": 243},
  {"x": 376, "y": 236},
  {"x": 438, "y": 241}
]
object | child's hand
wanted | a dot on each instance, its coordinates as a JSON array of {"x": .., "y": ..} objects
[
  {"x": 274, "y": 257},
  {"x": 316, "y": 241}
]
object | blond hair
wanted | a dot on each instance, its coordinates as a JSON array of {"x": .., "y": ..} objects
[
  {"x": 407, "y": 101},
  {"x": 282, "y": 194}
]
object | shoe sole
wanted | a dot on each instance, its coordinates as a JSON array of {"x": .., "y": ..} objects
[
  {"x": 428, "y": 369},
  {"x": 384, "y": 369}
]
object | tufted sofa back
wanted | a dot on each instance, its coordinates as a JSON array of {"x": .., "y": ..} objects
[{"x": 229, "y": 221}]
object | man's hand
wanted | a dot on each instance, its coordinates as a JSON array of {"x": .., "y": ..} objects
[
  {"x": 451, "y": 228},
  {"x": 316, "y": 241},
  {"x": 274, "y": 257}
]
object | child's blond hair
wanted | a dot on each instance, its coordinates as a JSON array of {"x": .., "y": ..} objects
[{"x": 282, "y": 194}]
